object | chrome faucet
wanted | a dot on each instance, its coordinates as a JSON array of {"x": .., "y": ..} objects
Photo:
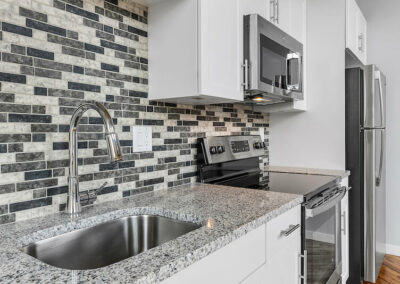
[{"x": 114, "y": 149}]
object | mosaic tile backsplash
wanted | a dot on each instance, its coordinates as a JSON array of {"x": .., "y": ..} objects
[{"x": 56, "y": 55}]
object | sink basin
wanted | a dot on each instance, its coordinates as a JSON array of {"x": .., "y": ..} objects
[{"x": 109, "y": 242}]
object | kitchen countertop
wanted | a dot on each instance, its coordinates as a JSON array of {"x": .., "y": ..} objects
[
  {"x": 310, "y": 171},
  {"x": 227, "y": 213}
]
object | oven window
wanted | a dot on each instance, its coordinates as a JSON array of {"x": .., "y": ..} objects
[
  {"x": 321, "y": 244},
  {"x": 272, "y": 62}
]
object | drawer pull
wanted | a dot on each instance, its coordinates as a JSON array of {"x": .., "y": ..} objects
[{"x": 290, "y": 230}]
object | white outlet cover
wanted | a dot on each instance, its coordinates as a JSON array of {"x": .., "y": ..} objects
[{"x": 142, "y": 138}]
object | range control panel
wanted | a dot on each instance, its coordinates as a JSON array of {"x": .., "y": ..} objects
[{"x": 221, "y": 149}]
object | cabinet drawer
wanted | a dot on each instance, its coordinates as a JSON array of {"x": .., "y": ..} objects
[
  {"x": 282, "y": 223},
  {"x": 230, "y": 264}
]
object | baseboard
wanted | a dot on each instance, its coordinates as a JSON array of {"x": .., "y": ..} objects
[{"x": 392, "y": 249}]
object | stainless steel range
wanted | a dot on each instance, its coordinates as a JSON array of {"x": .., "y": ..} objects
[{"x": 235, "y": 161}]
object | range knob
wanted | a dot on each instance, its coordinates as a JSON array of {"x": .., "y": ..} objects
[
  {"x": 264, "y": 145},
  {"x": 257, "y": 145},
  {"x": 213, "y": 150},
  {"x": 220, "y": 149}
]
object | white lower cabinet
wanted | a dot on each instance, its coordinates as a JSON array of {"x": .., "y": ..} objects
[{"x": 264, "y": 255}]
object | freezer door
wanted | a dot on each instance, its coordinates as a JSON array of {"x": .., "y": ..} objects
[
  {"x": 374, "y": 98},
  {"x": 374, "y": 203}
]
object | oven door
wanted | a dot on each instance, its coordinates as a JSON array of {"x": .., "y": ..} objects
[
  {"x": 322, "y": 237},
  {"x": 274, "y": 61}
]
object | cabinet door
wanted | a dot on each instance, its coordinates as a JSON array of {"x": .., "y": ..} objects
[
  {"x": 261, "y": 7},
  {"x": 351, "y": 26},
  {"x": 219, "y": 49},
  {"x": 345, "y": 237},
  {"x": 362, "y": 37},
  {"x": 283, "y": 251}
]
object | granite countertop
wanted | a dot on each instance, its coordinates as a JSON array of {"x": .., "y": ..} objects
[
  {"x": 226, "y": 214},
  {"x": 310, "y": 171}
]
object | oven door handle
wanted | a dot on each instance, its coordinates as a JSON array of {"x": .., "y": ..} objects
[{"x": 311, "y": 212}]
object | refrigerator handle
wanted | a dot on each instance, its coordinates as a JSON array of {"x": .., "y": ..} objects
[
  {"x": 379, "y": 78},
  {"x": 379, "y": 177}
]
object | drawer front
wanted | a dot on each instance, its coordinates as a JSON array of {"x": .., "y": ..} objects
[
  {"x": 230, "y": 264},
  {"x": 283, "y": 247}
]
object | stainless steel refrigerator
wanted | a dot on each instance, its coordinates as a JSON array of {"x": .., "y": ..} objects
[{"x": 365, "y": 158}]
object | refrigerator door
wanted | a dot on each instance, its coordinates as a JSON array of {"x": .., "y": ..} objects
[
  {"x": 374, "y": 203},
  {"x": 374, "y": 98}
]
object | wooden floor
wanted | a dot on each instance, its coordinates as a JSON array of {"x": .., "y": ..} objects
[{"x": 390, "y": 271}]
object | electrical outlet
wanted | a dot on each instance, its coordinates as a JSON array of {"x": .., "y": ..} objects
[{"x": 142, "y": 138}]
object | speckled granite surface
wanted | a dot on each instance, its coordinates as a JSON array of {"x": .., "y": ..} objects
[
  {"x": 309, "y": 171},
  {"x": 227, "y": 213}
]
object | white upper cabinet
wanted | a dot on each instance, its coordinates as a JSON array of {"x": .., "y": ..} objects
[
  {"x": 356, "y": 31},
  {"x": 195, "y": 51},
  {"x": 289, "y": 15}
]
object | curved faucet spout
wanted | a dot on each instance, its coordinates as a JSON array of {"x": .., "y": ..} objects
[{"x": 114, "y": 150}]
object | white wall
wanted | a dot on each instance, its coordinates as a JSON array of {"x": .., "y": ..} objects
[
  {"x": 316, "y": 138},
  {"x": 383, "y": 47}
]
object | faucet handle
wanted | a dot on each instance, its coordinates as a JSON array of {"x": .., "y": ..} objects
[{"x": 90, "y": 196}]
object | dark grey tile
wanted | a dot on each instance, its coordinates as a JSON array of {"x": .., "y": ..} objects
[
  {"x": 3, "y": 209},
  {"x": 48, "y": 73},
  {"x": 13, "y": 117},
  {"x": 78, "y": 3},
  {"x": 38, "y": 175},
  {"x": 81, "y": 12},
  {"x": 22, "y": 167},
  {"x": 72, "y": 34},
  {"x": 16, "y": 58},
  {"x": 27, "y": 70},
  {"x": 15, "y": 147},
  {"x": 94, "y": 48},
  {"x": 32, "y": 14},
  {"x": 19, "y": 206},
  {"x": 113, "y": 15},
  {"x": 66, "y": 93},
  {"x": 18, "y": 49},
  {"x": 9, "y": 218},
  {"x": 49, "y": 64},
  {"x": 10, "y": 138},
  {"x": 57, "y": 190},
  {"x": 109, "y": 67},
  {"x": 105, "y": 35},
  {"x": 36, "y": 184},
  {"x": 39, "y": 109},
  {"x": 43, "y": 128},
  {"x": 39, "y": 193},
  {"x": 83, "y": 87},
  {"x": 40, "y": 53},
  {"x": 58, "y": 4},
  {"x": 73, "y": 51},
  {"x": 92, "y": 24},
  {"x": 17, "y": 108},
  {"x": 64, "y": 41},
  {"x": 27, "y": 157},
  {"x": 8, "y": 77},
  {"x": 45, "y": 27},
  {"x": 16, "y": 29},
  {"x": 112, "y": 45},
  {"x": 39, "y": 91},
  {"x": 7, "y": 97},
  {"x": 7, "y": 188},
  {"x": 39, "y": 137}
]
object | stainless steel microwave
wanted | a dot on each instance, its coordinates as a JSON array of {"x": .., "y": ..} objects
[{"x": 273, "y": 63}]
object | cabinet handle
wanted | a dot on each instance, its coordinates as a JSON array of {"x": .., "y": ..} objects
[
  {"x": 277, "y": 11},
  {"x": 290, "y": 230},
  {"x": 272, "y": 10},
  {"x": 344, "y": 223},
  {"x": 245, "y": 66},
  {"x": 304, "y": 275},
  {"x": 361, "y": 42}
]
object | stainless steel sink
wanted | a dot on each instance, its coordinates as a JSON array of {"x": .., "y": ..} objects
[{"x": 109, "y": 242}]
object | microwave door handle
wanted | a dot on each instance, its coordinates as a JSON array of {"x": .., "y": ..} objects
[{"x": 289, "y": 57}]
